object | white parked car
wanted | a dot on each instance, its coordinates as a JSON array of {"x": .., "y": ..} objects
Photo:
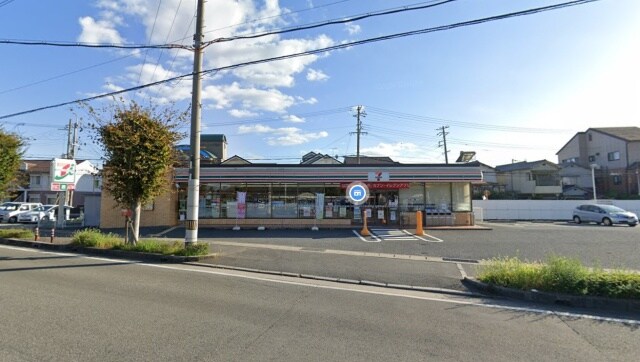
[
  {"x": 10, "y": 211},
  {"x": 604, "y": 214},
  {"x": 40, "y": 213}
]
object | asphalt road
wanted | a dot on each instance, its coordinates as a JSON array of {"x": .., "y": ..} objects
[
  {"x": 610, "y": 247},
  {"x": 65, "y": 307}
]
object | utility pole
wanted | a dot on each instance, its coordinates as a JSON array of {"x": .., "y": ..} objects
[
  {"x": 359, "y": 113},
  {"x": 444, "y": 142},
  {"x": 193, "y": 188},
  {"x": 72, "y": 141}
]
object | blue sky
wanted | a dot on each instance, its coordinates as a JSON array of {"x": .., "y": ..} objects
[{"x": 514, "y": 89}]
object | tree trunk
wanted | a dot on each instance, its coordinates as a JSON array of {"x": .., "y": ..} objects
[{"x": 137, "y": 208}]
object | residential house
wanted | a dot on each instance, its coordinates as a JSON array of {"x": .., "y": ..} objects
[
  {"x": 537, "y": 179},
  {"x": 614, "y": 154},
  {"x": 39, "y": 187},
  {"x": 313, "y": 158}
]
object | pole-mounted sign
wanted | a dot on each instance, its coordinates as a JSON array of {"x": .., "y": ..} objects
[{"x": 357, "y": 193}]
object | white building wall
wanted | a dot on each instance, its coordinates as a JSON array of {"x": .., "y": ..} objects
[{"x": 540, "y": 209}]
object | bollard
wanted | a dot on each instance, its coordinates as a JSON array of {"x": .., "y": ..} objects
[
  {"x": 53, "y": 234},
  {"x": 419, "y": 230},
  {"x": 365, "y": 230},
  {"x": 36, "y": 233}
]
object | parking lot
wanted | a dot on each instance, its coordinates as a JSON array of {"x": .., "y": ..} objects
[{"x": 595, "y": 245}]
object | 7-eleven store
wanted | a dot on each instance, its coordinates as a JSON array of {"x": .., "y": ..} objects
[{"x": 307, "y": 195}]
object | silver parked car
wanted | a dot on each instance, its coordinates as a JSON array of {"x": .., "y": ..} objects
[{"x": 605, "y": 214}]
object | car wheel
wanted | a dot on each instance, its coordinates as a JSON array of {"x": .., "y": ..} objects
[
  {"x": 606, "y": 221},
  {"x": 632, "y": 225},
  {"x": 45, "y": 218},
  {"x": 576, "y": 219},
  {"x": 13, "y": 220}
]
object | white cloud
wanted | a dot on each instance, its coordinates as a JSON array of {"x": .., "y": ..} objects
[
  {"x": 352, "y": 28},
  {"x": 316, "y": 75},
  {"x": 286, "y": 136},
  {"x": 243, "y": 91},
  {"x": 405, "y": 152},
  {"x": 101, "y": 31},
  {"x": 271, "y": 100},
  {"x": 242, "y": 113},
  {"x": 293, "y": 119}
]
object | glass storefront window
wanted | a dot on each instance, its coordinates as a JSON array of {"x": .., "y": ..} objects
[
  {"x": 412, "y": 199},
  {"x": 438, "y": 198},
  {"x": 336, "y": 205},
  {"x": 209, "y": 201},
  {"x": 258, "y": 201},
  {"x": 307, "y": 199},
  {"x": 461, "y": 197},
  {"x": 283, "y": 200},
  {"x": 228, "y": 199}
]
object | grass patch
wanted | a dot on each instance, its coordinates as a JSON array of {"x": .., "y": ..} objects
[
  {"x": 561, "y": 275},
  {"x": 16, "y": 233},
  {"x": 94, "y": 238}
]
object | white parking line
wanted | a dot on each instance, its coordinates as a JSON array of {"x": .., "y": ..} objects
[
  {"x": 432, "y": 240},
  {"x": 375, "y": 238}
]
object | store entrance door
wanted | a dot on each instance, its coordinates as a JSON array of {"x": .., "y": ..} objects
[{"x": 384, "y": 208}]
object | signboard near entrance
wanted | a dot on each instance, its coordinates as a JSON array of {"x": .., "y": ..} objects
[{"x": 381, "y": 185}]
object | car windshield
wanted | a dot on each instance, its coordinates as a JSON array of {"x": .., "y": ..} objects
[
  {"x": 610, "y": 208},
  {"x": 11, "y": 207}
]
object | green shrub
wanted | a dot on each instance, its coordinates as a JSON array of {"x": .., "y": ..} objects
[
  {"x": 16, "y": 233},
  {"x": 95, "y": 238},
  {"x": 562, "y": 275}
]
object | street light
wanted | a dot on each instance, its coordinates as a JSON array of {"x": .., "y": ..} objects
[{"x": 593, "y": 179}]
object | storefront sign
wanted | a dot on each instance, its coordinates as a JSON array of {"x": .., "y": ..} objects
[
  {"x": 378, "y": 176},
  {"x": 62, "y": 174},
  {"x": 381, "y": 185}
]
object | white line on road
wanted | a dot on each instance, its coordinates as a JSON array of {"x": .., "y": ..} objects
[
  {"x": 432, "y": 240},
  {"x": 357, "y": 289},
  {"x": 375, "y": 238},
  {"x": 462, "y": 272}
]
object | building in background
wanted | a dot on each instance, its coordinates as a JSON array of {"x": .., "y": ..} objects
[
  {"x": 614, "y": 155},
  {"x": 537, "y": 179}
]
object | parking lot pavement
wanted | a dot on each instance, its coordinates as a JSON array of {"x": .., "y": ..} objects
[{"x": 406, "y": 270}]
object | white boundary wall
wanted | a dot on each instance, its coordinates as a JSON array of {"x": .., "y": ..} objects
[{"x": 539, "y": 209}]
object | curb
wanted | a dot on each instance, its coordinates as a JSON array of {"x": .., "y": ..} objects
[
  {"x": 343, "y": 280},
  {"x": 123, "y": 254},
  {"x": 559, "y": 299}
]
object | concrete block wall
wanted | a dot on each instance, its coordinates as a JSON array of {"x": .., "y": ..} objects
[{"x": 541, "y": 209}]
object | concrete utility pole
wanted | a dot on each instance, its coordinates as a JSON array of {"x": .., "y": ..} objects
[
  {"x": 193, "y": 189},
  {"x": 444, "y": 142},
  {"x": 72, "y": 141},
  {"x": 359, "y": 113}
]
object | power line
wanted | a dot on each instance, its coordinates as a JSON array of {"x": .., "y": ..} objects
[
  {"x": 317, "y": 51},
  {"x": 277, "y": 16},
  {"x": 382, "y": 114},
  {"x": 330, "y": 22},
  {"x": 93, "y": 45}
]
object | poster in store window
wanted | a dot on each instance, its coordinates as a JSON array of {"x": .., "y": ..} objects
[
  {"x": 241, "y": 205},
  {"x": 381, "y": 214}
]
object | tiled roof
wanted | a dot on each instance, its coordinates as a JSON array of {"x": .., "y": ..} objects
[{"x": 630, "y": 134}]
